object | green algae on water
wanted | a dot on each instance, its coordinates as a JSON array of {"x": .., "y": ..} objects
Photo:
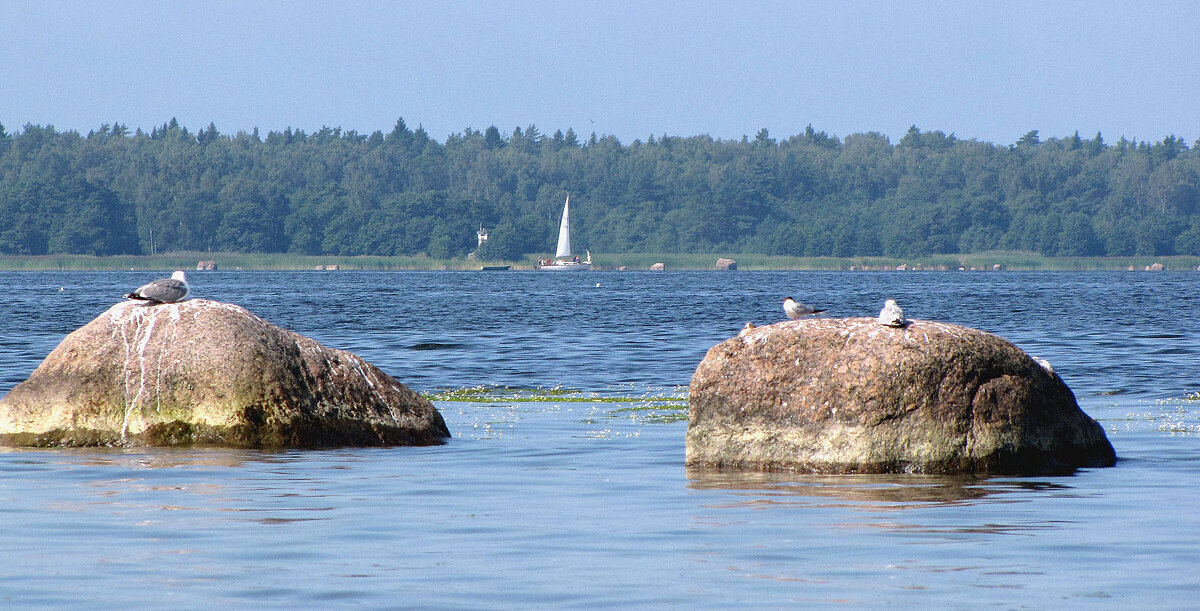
[{"x": 506, "y": 394}]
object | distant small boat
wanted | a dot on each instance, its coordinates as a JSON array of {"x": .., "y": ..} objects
[
  {"x": 496, "y": 268},
  {"x": 563, "y": 261}
]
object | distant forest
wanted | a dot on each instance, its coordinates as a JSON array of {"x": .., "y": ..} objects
[{"x": 335, "y": 192}]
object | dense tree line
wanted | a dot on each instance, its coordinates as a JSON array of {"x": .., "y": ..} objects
[{"x": 113, "y": 191}]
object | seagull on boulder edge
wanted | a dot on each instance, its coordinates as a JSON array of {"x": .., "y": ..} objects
[
  {"x": 794, "y": 309},
  {"x": 163, "y": 290},
  {"x": 891, "y": 315},
  {"x": 746, "y": 329}
]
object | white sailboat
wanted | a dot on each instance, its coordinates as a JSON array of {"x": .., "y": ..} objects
[{"x": 563, "y": 260}]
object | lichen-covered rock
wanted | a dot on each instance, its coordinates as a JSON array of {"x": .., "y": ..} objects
[
  {"x": 205, "y": 372},
  {"x": 853, "y": 396}
]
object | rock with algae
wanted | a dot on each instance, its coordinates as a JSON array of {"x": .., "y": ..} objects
[
  {"x": 206, "y": 372},
  {"x": 852, "y": 396}
]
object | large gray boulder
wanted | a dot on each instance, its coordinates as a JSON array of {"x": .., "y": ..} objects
[
  {"x": 205, "y": 372},
  {"x": 853, "y": 396}
]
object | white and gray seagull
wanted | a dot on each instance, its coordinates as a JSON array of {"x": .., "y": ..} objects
[
  {"x": 794, "y": 309},
  {"x": 163, "y": 290},
  {"x": 891, "y": 314}
]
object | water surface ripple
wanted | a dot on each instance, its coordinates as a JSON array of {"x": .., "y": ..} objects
[{"x": 588, "y": 504}]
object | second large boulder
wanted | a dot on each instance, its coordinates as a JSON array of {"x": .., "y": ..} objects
[{"x": 853, "y": 396}]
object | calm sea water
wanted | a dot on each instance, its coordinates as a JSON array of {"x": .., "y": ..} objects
[{"x": 588, "y": 504}]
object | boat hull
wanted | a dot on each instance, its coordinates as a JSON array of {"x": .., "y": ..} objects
[{"x": 565, "y": 267}]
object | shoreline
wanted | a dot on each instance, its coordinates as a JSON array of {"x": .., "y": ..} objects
[{"x": 989, "y": 261}]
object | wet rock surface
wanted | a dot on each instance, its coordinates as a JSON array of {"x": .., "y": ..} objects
[
  {"x": 853, "y": 396},
  {"x": 206, "y": 372}
]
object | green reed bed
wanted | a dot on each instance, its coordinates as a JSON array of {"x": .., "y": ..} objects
[
  {"x": 1005, "y": 260},
  {"x": 985, "y": 261},
  {"x": 230, "y": 262}
]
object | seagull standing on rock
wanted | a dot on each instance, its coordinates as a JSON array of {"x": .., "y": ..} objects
[
  {"x": 891, "y": 315},
  {"x": 163, "y": 290},
  {"x": 794, "y": 309}
]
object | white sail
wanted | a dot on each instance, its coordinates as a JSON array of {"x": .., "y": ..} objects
[
  {"x": 563, "y": 261},
  {"x": 564, "y": 231}
]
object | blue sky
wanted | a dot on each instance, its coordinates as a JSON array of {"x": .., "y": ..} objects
[{"x": 985, "y": 70}]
